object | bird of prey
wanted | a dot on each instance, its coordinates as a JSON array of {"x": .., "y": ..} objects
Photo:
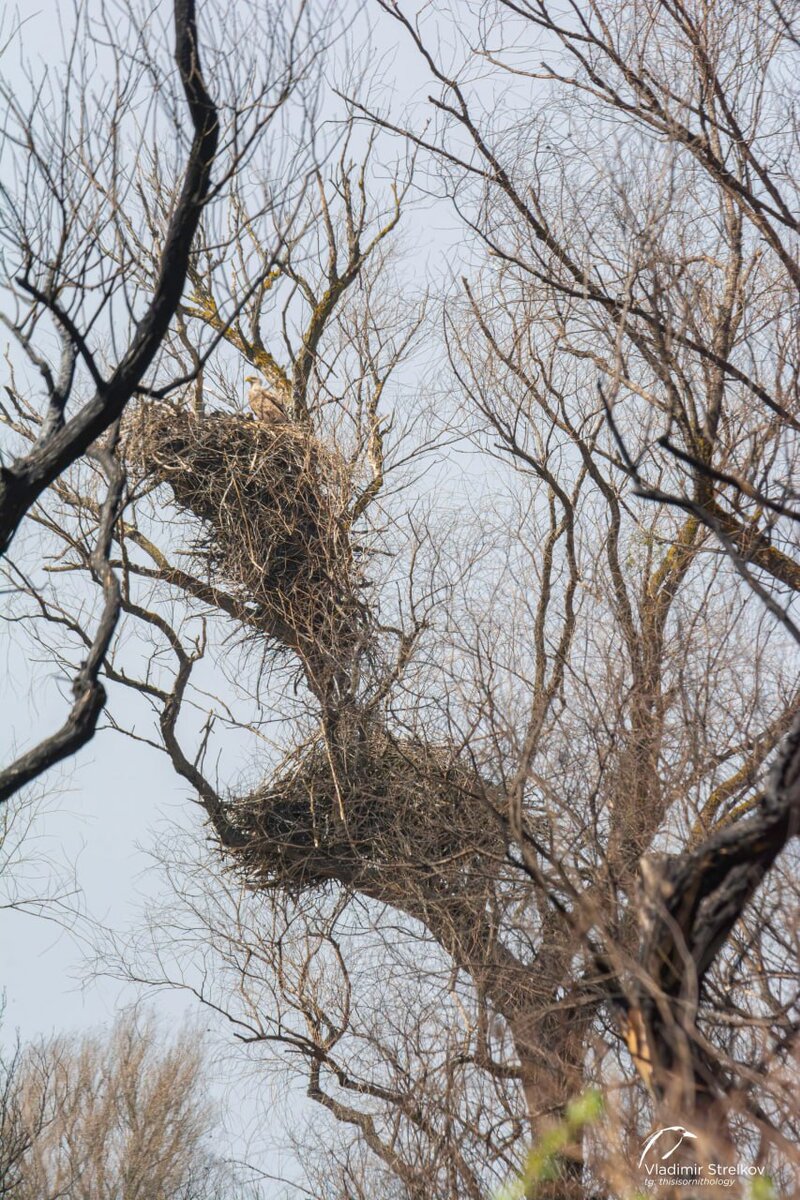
[{"x": 265, "y": 403}]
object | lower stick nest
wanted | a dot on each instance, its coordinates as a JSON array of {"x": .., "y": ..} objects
[
  {"x": 365, "y": 816},
  {"x": 274, "y": 506}
]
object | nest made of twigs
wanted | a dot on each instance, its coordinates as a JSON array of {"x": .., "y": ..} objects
[
  {"x": 365, "y": 815},
  {"x": 273, "y": 505}
]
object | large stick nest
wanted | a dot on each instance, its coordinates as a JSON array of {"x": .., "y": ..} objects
[
  {"x": 357, "y": 805},
  {"x": 274, "y": 506},
  {"x": 367, "y": 816}
]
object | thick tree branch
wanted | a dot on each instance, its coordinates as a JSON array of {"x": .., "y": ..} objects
[
  {"x": 89, "y": 693},
  {"x": 27, "y": 477}
]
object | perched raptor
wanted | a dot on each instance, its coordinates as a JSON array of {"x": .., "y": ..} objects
[{"x": 266, "y": 404}]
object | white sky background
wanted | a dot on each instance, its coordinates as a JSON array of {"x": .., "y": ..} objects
[{"x": 103, "y": 809}]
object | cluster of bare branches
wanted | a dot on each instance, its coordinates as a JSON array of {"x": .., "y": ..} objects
[
  {"x": 89, "y": 198},
  {"x": 517, "y": 772},
  {"x": 108, "y": 1115}
]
